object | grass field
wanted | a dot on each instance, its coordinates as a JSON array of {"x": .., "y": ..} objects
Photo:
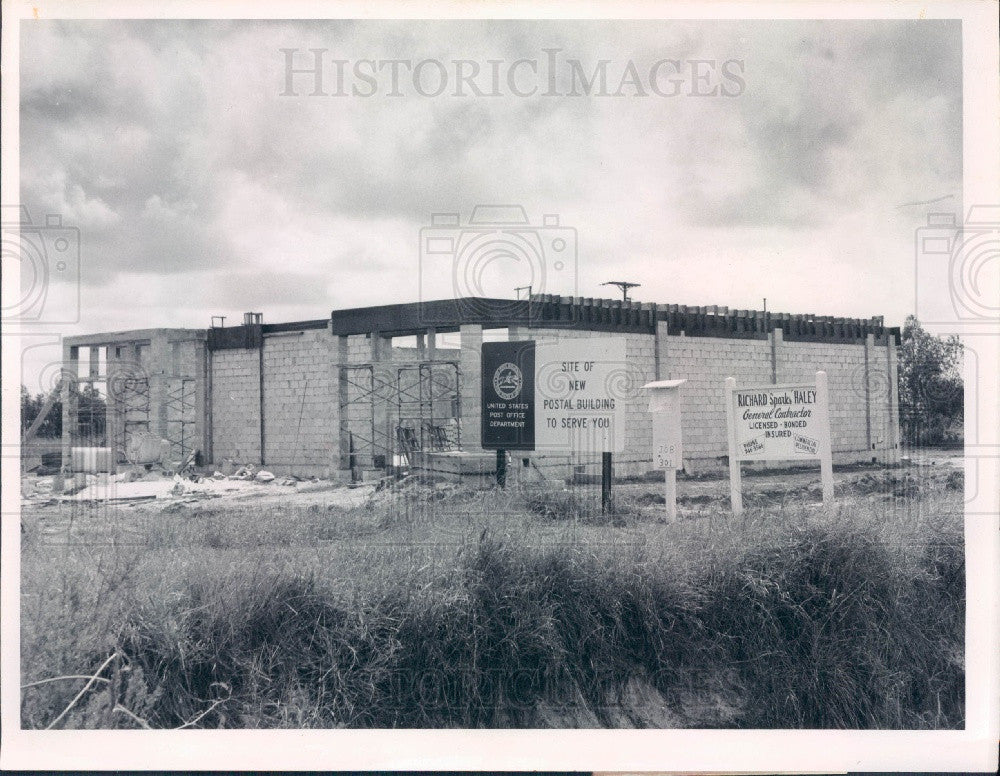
[{"x": 443, "y": 606}]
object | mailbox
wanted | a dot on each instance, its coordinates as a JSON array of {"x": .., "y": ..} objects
[
  {"x": 668, "y": 450},
  {"x": 665, "y": 407}
]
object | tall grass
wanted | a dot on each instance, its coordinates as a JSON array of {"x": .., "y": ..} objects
[{"x": 850, "y": 619}]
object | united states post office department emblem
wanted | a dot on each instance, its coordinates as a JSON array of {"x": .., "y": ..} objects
[{"x": 507, "y": 381}]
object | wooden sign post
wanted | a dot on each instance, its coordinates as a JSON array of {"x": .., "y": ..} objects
[
  {"x": 788, "y": 422},
  {"x": 735, "y": 475},
  {"x": 668, "y": 452}
]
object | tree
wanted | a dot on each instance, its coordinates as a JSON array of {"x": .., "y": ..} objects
[
  {"x": 91, "y": 415},
  {"x": 30, "y": 407},
  {"x": 931, "y": 400}
]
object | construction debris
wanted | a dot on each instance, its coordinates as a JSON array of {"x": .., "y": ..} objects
[
  {"x": 190, "y": 462},
  {"x": 177, "y": 483},
  {"x": 143, "y": 447}
]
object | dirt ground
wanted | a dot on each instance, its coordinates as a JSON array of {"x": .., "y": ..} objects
[{"x": 155, "y": 493}]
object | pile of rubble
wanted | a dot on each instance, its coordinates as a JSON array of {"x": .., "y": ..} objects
[
  {"x": 249, "y": 472},
  {"x": 185, "y": 481}
]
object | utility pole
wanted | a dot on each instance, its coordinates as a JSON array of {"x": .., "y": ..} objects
[
  {"x": 519, "y": 289},
  {"x": 624, "y": 285}
]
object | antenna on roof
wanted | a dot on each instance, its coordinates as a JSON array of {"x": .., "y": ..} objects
[{"x": 624, "y": 285}]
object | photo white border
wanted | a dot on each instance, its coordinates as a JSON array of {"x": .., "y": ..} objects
[{"x": 974, "y": 749}]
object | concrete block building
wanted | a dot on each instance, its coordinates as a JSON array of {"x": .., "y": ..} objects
[{"x": 364, "y": 386}]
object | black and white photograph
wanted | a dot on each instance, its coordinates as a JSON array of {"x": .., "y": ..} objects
[{"x": 488, "y": 383}]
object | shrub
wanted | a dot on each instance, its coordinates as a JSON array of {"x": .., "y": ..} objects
[{"x": 791, "y": 621}]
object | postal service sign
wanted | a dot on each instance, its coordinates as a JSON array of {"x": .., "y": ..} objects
[
  {"x": 508, "y": 409},
  {"x": 559, "y": 396}
]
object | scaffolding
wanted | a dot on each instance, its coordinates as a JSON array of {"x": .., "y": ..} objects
[
  {"x": 428, "y": 407},
  {"x": 357, "y": 416},
  {"x": 180, "y": 407},
  {"x": 385, "y": 415},
  {"x": 129, "y": 393}
]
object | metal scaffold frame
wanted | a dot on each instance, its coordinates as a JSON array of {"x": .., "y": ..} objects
[
  {"x": 131, "y": 398},
  {"x": 180, "y": 407},
  {"x": 383, "y": 415},
  {"x": 418, "y": 428},
  {"x": 359, "y": 387}
]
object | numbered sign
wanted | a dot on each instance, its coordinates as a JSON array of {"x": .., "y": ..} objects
[
  {"x": 665, "y": 409},
  {"x": 668, "y": 449}
]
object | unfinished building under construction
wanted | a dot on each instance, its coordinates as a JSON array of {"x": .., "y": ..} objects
[{"x": 367, "y": 387}]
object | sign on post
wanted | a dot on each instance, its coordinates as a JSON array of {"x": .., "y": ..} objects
[
  {"x": 508, "y": 408},
  {"x": 560, "y": 397},
  {"x": 668, "y": 451},
  {"x": 581, "y": 387},
  {"x": 789, "y": 422}
]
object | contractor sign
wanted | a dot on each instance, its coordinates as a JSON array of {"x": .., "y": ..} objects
[
  {"x": 788, "y": 422},
  {"x": 777, "y": 422}
]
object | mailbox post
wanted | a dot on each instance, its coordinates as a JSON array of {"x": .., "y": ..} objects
[{"x": 668, "y": 451}]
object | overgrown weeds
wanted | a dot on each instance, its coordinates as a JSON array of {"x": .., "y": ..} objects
[
  {"x": 579, "y": 506},
  {"x": 809, "y": 620}
]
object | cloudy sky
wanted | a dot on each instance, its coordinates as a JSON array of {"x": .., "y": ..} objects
[{"x": 199, "y": 188}]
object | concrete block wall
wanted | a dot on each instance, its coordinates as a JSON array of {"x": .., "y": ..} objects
[
  {"x": 846, "y": 377},
  {"x": 153, "y": 381},
  {"x": 236, "y": 405},
  {"x": 883, "y": 376},
  {"x": 706, "y": 363},
  {"x": 359, "y": 348},
  {"x": 301, "y": 423},
  {"x": 471, "y": 359},
  {"x": 878, "y": 384},
  {"x": 186, "y": 358},
  {"x": 864, "y": 425},
  {"x": 305, "y": 387},
  {"x": 406, "y": 355}
]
